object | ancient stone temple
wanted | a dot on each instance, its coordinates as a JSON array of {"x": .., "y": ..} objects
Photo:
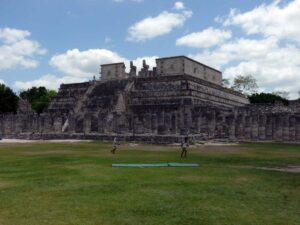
[{"x": 179, "y": 96}]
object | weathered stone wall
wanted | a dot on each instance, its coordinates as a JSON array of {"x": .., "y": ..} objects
[
  {"x": 202, "y": 71},
  {"x": 170, "y": 66},
  {"x": 183, "y": 65},
  {"x": 113, "y": 71},
  {"x": 171, "y": 89},
  {"x": 202, "y": 121}
]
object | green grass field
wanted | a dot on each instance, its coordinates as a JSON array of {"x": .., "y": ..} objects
[{"x": 74, "y": 183}]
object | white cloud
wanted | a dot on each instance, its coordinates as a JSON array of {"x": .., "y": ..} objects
[
  {"x": 282, "y": 22},
  {"x": 17, "y": 50},
  {"x": 2, "y": 81},
  {"x": 138, "y": 62},
  {"x": 77, "y": 63},
  {"x": 9, "y": 35},
  {"x": 204, "y": 39},
  {"x": 85, "y": 64},
  {"x": 272, "y": 56},
  {"x": 152, "y": 27},
  {"x": 275, "y": 67},
  {"x": 239, "y": 49},
  {"x": 79, "y": 67},
  {"x": 179, "y": 5},
  {"x": 49, "y": 81}
]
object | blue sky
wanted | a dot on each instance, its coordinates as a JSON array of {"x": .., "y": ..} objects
[{"x": 47, "y": 42}]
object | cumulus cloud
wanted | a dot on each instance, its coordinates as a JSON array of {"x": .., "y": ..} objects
[
  {"x": 17, "y": 50},
  {"x": 204, "y": 39},
  {"x": 49, "y": 80},
  {"x": 78, "y": 63},
  {"x": 79, "y": 66},
  {"x": 138, "y": 62},
  {"x": 179, "y": 5},
  {"x": 274, "y": 66},
  {"x": 239, "y": 49},
  {"x": 152, "y": 27},
  {"x": 85, "y": 64},
  {"x": 281, "y": 21},
  {"x": 9, "y": 35},
  {"x": 2, "y": 81},
  {"x": 272, "y": 56}
]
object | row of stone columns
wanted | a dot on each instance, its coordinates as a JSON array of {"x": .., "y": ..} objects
[
  {"x": 278, "y": 127},
  {"x": 212, "y": 123}
]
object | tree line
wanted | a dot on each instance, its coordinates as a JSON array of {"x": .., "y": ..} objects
[
  {"x": 247, "y": 85},
  {"x": 38, "y": 97}
]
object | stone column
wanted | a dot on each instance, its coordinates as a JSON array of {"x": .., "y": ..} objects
[
  {"x": 285, "y": 128},
  {"x": 254, "y": 127},
  {"x": 198, "y": 130},
  {"x": 160, "y": 122},
  {"x": 100, "y": 123},
  {"x": 71, "y": 127},
  {"x": 154, "y": 123},
  {"x": 87, "y": 124},
  {"x": 167, "y": 123},
  {"x": 269, "y": 127},
  {"x": 147, "y": 122},
  {"x": 231, "y": 127},
  {"x": 188, "y": 119},
  {"x": 292, "y": 128},
  {"x": 204, "y": 124},
  {"x": 173, "y": 124},
  {"x": 221, "y": 126},
  {"x": 240, "y": 126},
  {"x": 247, "y": 129},
  {"x": 211, "y": 124},
  {"x": 78, "y": 124},
  {"x": 277, "y": 129},
  {"x": 47, "y": 124},
  {"x": 262, "y": 121},
  {"x": 57, "y": 124},
  {"x": 94, "y": 123},
  {"x": 297, "y": 128}
]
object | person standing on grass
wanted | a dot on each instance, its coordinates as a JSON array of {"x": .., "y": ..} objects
[
  {"x": 114, "y": 146},
  {"x": 184, "y": 146}
]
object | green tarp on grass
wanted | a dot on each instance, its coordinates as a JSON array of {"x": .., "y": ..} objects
[
  {"x": 143, "y": 165},
  {"x": 183, "y": 164}
]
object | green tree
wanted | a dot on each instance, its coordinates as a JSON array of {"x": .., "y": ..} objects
[
  {"x": 225, "y": 82},
  {"x": 245, "y": 84},
  {"x": 267, "y": 98},
  {"x": 8, "y": 100},
  {"x": 39, "y": 97}
]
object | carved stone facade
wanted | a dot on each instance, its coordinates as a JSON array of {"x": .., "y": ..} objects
[
  {"x": 159, "y": 105},
  {"x": 179, "y": 65}
]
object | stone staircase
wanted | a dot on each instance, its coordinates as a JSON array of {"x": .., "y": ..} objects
[{"x": 84, "y": 99}]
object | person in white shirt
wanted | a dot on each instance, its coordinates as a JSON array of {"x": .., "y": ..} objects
[
  {"x": 184, "y": 147},
  {"x": 114, "y": 146}
]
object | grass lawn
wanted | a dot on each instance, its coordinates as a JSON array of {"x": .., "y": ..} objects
[{"x": 74, "y": 183}]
